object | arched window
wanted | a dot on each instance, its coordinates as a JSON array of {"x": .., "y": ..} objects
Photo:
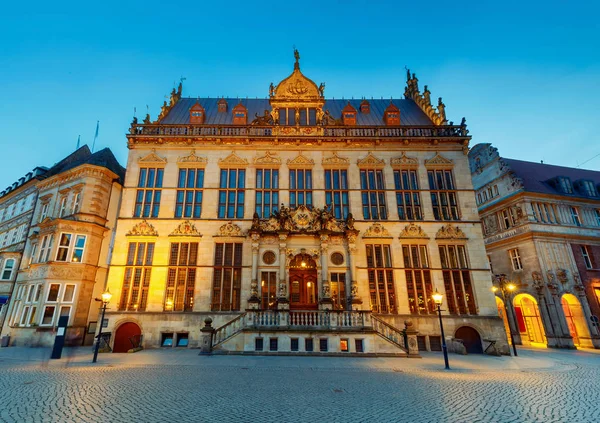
[{"x": 7, "y": 269}]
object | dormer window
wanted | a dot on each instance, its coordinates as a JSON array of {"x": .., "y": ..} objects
[
  {"x": 391, "y": 115},
  {"x": 349, "y": 115},
  {"x": 222, "y": 105},
  {"x": 586, "y": 187},
  {"x": 365, "y": 107},
  {"x": 240, "y": 115},
  {"x": 197, "y": 113},
  {"x": 564, "y": 185}
]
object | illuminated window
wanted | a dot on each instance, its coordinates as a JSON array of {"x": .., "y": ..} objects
[
  {"x": 188, "y": 202},
  {"x": 337, "y": 287},
  {"x": 336, "y": 192},
  {"x": 515, "y": 259},
  {"x": 301, "y": 188},
  {"x": 69, "y": 249},
  {"x": 373, "y": 194},
  {"x": 407, "y": 195},
  {"x": 381, "y": 278},
  {"x": 136, "y": 281},
  {"x": 147, "y": 200},
  {"x": 232, "y": 193},
  {"x": 268, "y": 290},
  {"x": 418, "y": 279},
  {"x": 443, "y": 195},
  {"x": 227, "y": 277},
  {"x": 181, "y": 276},
  {"x": 457, "y": 280},
  {"x": 267, "y": 192}
]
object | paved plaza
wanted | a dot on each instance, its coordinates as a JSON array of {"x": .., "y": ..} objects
[{"x": 180, "y": 386}]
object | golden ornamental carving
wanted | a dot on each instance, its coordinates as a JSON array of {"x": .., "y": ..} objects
[
  {"x": 301, "y": 220},
  {"x": 296, "y": 86},
  {"x": 404, "y": 161},
  {"x": 300, "y": 161},
  {"x": 413, "y": 231},
  {"x": 450, "y": 232},
  {"x": 335, "y": 161},
  {"x": 152, "y": 158},
  {"x": 371, "y": 161},
  {"x": 230, "y": 229},
  {"x": 439, "y": 161},
  {"x": 192, "y": 159},
  {"x": 233, "y": 160},
  {"x": 268, "y": 159},
  {"x": 377, "y": 230},
  {"x": 186, "y": 228},
  {"x": 142, "y": 229}
]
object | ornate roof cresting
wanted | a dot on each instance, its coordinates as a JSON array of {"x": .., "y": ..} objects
[
  {"x": 143, "y": 228},
  {"x": 424, "y": 100}
]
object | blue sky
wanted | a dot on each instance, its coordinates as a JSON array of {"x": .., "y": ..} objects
[{"x": 525, "y": 74}]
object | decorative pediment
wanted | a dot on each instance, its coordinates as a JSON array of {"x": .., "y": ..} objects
[
  {"x": 142, "y": 229},
  {"x": 152, "y": 158},
  {"x": 233, "y": 160},
  {"x": 439, "y": 161},
  {"x": 450, "y": 232},
  {"x": 404, "y": 161},
  {"x": 371, "y": 161},
  {"x": 267, "y": 160},
  {"x": 302, "y": 220},
  {"x": 300, "y": 161},
  {"x": 186, "y": 228},
  {"x": 230, "y": 229},
  {"x": 335, "y": 161},
  {"x": 413, "y": 231},
  {"x": 192, "y": 159},
  {"x": 296, "y": 86},
  {"x": 377, "y": 230}
]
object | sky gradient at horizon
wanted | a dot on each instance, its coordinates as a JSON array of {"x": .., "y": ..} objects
[{"x": 524, "y": 75}]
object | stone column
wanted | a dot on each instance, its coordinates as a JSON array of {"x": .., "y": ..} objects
[
  {"x": 254, "y": 301},
  {"x": 283, "y": 302},
  {"x": 324, "y": 291},
  {"x": 353, "y": 297}
]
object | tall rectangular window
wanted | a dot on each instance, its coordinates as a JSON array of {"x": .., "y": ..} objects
[
  {"x": 407, "y": 195},
  {"x": 301, "y": 188},
  {"x": 181, "y": 276},
  {"x": 586, "y": 257},
  {"x": 232, "y": 193},
  {"x": 268, "y": 290},
  {"x": 337, "y": 287},
  {"x": 70, "y": 248},
  {"x": 515, "y": 259},
  {"x": 45, "y": 248},
  {"x": 188, "y": 202},
  {"x": 418, "y": 279},
  {"x": 373, "y": 194},
  {"x": 336, "y": 192},
  {"x": 381, "y": 278},
  {"x": 147, "y": 199},
  {"x": 457, "y": 280},
  {"x": 443, "y": 195},
  {"x": 597, "y": 215},
  {"x": 227, "y": 277},
  {"x": 44, "y": 212},
  {"x": 63, "y": 206},
  {"x": 575, "y": 216},
  {"x": 136, "y": 283},
  {"x": 267, "y": 192}
]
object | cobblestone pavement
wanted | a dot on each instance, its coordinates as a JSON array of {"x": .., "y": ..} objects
[{"x": 179, "y": 385}]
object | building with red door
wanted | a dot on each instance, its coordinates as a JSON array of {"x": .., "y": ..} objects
[{"x": 299, "y": 223}]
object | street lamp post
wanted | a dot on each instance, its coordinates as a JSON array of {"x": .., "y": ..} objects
[
  {"x": 438, "y": 298},
  {"x": 106, "y": 296},
  {"x": 506, "y": 288}
]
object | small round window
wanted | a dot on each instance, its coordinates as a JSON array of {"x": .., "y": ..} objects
[
  {"x": 269, "y": 257},
  {"x": 337, "y": 258}
]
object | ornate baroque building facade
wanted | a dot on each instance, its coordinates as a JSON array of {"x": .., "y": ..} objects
[
  {"x": 300, "y": 224},
  {"x": 65, "y": 259},
  {"x": 542, "y": 233}
]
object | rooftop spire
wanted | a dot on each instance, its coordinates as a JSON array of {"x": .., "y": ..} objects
[{"x": 297, "y": 57}]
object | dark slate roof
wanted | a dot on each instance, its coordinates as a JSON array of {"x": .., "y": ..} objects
[
  {"x": 538, "y": 177},
  {"x": 83, "y": 155},
  {"x": 410, "y": 113}
]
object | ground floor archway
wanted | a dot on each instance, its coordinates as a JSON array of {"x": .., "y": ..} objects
[
  {"x": 124, "y": 335},
  {"x": 575, "y": 318},
  {"x": 502, "y": 313},
  {"x": 471, "y": 339},
  {"x": 529, "y": 321}
]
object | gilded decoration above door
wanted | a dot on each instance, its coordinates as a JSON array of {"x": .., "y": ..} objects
[{"x": 302, "y": 220}]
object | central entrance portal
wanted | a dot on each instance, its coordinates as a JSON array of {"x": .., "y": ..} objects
[{"x": 303, "y": 283}]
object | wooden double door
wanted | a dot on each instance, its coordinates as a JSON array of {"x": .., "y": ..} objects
[{"x": 304, "y": 292}]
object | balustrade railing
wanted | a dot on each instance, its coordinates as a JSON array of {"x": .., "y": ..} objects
[
  {"x": 313, "y": 319},
  {"x": 389, "y": 332},
  {"x": 229, "y": 329}
]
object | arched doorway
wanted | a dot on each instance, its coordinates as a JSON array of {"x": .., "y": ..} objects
[
  {"x": 529, "y": 320},
  {"x": 471, "y": 339},
  {"x": 575, "y": 318},
  {"x": 123, "y": 335},
  {"x": 303, "y": 283},
  {"x": 502, "y": 314}
]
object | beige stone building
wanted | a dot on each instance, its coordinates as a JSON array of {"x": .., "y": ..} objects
[
  {"x": 65, "y": 260},
  {"x": 300, "y": 224},
  {"x": 542, "y": 234}
]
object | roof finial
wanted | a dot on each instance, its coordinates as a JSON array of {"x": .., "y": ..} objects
[{"x": 297, "y": 57}]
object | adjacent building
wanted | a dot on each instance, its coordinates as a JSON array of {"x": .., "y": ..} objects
[
  {"x": 300, "y": 223},
  {"x": 66, "y": 251},
  {"x": 541, "y": 228}
]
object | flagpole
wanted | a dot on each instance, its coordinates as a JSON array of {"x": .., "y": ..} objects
[
  {"x": 96, "y": 135},
  {"x": 78, "y": 141}
]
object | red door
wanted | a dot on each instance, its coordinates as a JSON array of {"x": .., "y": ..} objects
[{"x": 122, "y": 336}]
